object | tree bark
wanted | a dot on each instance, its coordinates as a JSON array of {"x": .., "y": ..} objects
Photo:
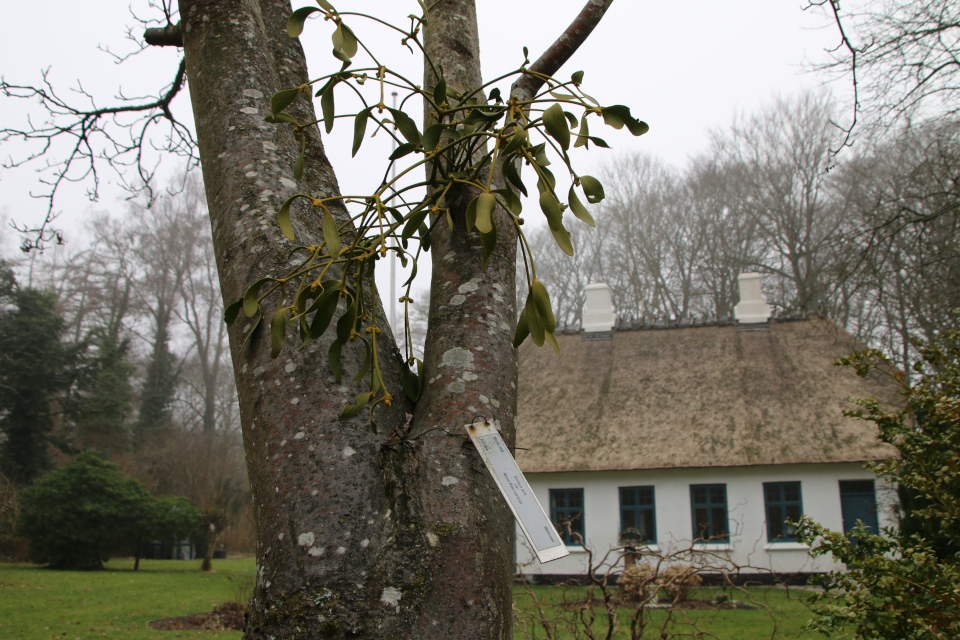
[{"x": 356, "y": 537}]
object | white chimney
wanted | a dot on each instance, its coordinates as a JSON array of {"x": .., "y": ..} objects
[
  {"x": 597, "y": 308},
  {"x": 751, "y": 309}
]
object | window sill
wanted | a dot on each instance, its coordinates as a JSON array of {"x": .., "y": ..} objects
[
  {"x": 786, "y": 546},
  {"x": 712, "y": 546},
  {"x": 571, "y": 548}
]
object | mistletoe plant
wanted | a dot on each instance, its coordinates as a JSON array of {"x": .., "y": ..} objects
[{"x": 472, "y": 135}]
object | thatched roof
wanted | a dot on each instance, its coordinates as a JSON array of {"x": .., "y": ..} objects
[{"x": 695, "y": 397}]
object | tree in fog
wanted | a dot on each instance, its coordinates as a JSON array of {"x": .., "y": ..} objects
[
  {"x": 902, "y": 229},
  {"x": 777, "y": 165},
  {"x": 37, "y": 370}
]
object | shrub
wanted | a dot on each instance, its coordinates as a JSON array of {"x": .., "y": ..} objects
[
  {"x": 79, "y": 515},
  {"x": 638, "y": 583},
  {"x": 903, "y": 584},
  {"x": 678, "y": 580}
]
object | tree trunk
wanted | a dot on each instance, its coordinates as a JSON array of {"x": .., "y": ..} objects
[{"x": 356, "y": 538}]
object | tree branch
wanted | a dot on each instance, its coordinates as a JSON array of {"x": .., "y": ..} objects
[
  {"x": 168, "y": 36},
  {"x": 82, "y": 126},
  {"x": 561, "y": 50}
]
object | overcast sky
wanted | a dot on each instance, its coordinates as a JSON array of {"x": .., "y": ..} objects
[{"x": 682, "y": 66}]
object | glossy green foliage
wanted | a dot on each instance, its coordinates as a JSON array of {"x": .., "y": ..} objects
[
  {"x": 903, "y": 583},
  {"x": 472, "y": 135},
  {"x": 79, "y": 515}
]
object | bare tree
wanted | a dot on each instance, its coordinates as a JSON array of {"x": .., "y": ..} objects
[
  {"x": 905, "y": 199},
  {"x": 777, "y": 163},
  {"x": 901, "y": 57}
]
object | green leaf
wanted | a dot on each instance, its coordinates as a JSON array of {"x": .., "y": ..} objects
[
  {"x": 556, "y": 125},
  {"x": 282, "y": 99},
  {"x": 283, "y": 218},
  {"x": 431, "y": 137},
  {"x": 600, "y": 142},
  {"x": 551, "y": 181},
  {"x": 562, "y": 236},
  {"x": 440, "y": 92},
  {"x": 592, "y": 189},
  {"x": 230, "y": 313},
  {"x": 406, "y": 125},
  {"x": 413, "y": 223},
  {"x": 577, "y": 77},
  {"x": 551, "y": 209},
  {"x": 325, "y": 310},
  {"x": 296, "y": 20},
  {"x": 510, "y": 173},
  {"x": 486, "y": 204},
  {"x": 470, "y": 215},
  {"x": 345, "y": 41},
  {"x": 522, "y": 330},
  {"x": 541, "y": 299},
  {"x": 326, "y": 5},
  {"x": 359, "y": 129},
  {"x": 333, "y": 357},
  {"x": 552, "y": 339},
  {"x": 298, "y": 163},
  {"x": 578, "y": 209},
  {"x": 619, "y": 115},
  {"x": 540, "y": 155},
  {"x": 488, "y": 241},
  {"x": 402, "y": 150},
  {"x": 250, "y": 303},
  {"x": 253, "y": 329},
  {"x": 513, "y": 200},
  {"x": 331, "y": 235},
  {"x": 534, "y": 322},
  {"x": 278, "y": 329},
  {"x": 367, "y": 359},
  {"x": 346, "y": 323},
  {"x": 572, "y": 119},
  {"x": 353, "y": 409},
  {"x": 280, "y": 118},
  {"x": 327, "y": 107},
  {"x": 583, "y": 136},
  {"x": 517, "y": 141}
]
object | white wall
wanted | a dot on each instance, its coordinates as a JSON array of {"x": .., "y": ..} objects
[{"x": 819, "y": 487}]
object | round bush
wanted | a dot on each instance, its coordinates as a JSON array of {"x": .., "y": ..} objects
[{"x": 79, "y": 515}]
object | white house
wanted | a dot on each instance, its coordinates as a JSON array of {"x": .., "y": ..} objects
[{"x": 698, "y": 435}]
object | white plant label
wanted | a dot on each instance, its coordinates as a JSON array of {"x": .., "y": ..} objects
[{"x": 535, "y": 524}]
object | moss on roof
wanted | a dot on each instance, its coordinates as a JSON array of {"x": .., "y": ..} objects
[{"x": 695, "y": 397}]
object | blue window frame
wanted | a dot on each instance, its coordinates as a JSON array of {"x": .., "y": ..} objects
[
  {"x": 708, "y": 504},
  {"x": 858, "y": 502},
  {"x": 783, "y": 503},
  {"x": 638, "y": 522},
  {"x": 566, "y": 513}
]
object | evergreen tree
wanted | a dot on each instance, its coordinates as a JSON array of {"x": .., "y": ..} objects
[
  {"x": 36, "y": 371},
  {"x": 159, "y": 387},
  {"x": 103, "y": 408}
]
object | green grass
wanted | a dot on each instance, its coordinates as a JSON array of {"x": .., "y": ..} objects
[
  {"x": 37, "y": 603},
  {"x": 40, "y": 604},
  {"x": 778, "y": 614}
]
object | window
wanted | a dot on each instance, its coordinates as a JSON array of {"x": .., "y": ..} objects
[
  {"x": 858, "y": 501},
  {"x": 708, "y": 502},
  {"x": 637, "y": 522},
  {"x": 566, "y": 513},
  {"x": 783, "y": 503}
]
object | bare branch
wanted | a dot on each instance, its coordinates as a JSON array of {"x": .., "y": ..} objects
[
  {"x": 95, "y": 136},
  {"x": 562, "y": 49}
]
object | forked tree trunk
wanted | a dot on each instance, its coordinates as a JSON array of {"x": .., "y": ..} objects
[{"x": 356, "y": 538}]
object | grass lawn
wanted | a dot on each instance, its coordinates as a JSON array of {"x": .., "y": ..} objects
[
  {"x": 37, "y": 603},
  {"x": 777, "y": 610},
  {"x": 40, "y": 604}
]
